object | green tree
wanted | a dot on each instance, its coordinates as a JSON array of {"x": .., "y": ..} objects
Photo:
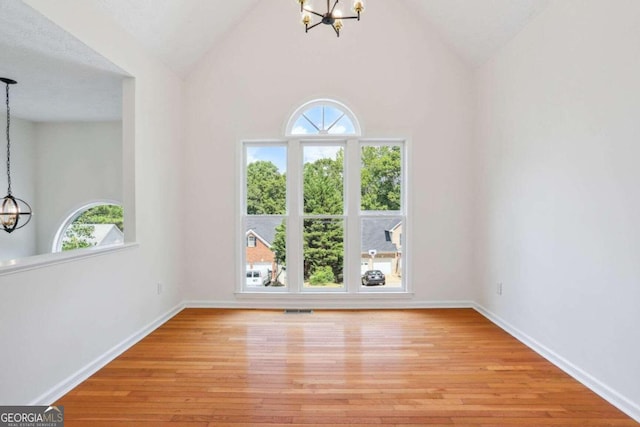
[
  {"x": 323, "y": 186},
  {"x": 323, "y": 246},
  {"x": 380, "y": 178},
  {"x": 266, "y": 189},
  {"x": 102, "y": 214},
  {"x": 323, "y": 238},
  {"x": 323, "y": 195},
  {"x": 78, "y": 236},
  {"x": 279, "y": 244}
]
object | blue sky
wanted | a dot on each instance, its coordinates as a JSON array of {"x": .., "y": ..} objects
[{"x": 276, "y": 155}]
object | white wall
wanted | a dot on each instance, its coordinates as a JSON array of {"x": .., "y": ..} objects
[
  {"x": 558, "y": 134},
  {"x": 399, "y": 80},
  {"x": 20, "y": 243},
  {"x": 59, "y": 318},
  {"x": 77, "y": 163}
]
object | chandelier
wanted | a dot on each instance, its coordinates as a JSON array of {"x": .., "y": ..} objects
[
  {"x": 332, "y": 16},
  {"x": 12, "y": 209}
]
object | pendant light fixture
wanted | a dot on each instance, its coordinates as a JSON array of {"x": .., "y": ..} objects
[
  {"x": 14, "y": 213},
  {"x": 332, "y": 16}
]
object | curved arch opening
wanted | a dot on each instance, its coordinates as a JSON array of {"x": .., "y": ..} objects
[{"x": 92, "y": 225}]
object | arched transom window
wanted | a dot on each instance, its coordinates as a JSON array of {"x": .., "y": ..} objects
[{"x": 323, "y": 117}]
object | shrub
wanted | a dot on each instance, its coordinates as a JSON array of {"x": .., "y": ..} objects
[{"x": 322, "y": 276}]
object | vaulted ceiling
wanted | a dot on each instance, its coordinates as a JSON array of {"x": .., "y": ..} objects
[
  {"x": 181, "y": 31},
  {"x": 62, "y": 79}
]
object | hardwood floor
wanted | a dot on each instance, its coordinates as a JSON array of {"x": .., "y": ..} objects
[{"x": 210, "y": 367}]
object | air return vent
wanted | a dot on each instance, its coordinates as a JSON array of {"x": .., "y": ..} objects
[{"x": 298, "y": 311}]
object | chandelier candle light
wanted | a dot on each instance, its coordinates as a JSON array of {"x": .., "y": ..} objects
[
  {"x": 14, "y": 213},
  {"x": 331, "y": 17}
]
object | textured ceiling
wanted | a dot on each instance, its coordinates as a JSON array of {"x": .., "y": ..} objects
[
  {"x": 178, "y": 32},
  {"x": 59, "y": 78},
  {"x": 477, "y": 29}
]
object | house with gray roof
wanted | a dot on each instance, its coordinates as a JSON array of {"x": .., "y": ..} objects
[
  {"x": 259, "y": 236},
  {"x": 382, "y": 245}
]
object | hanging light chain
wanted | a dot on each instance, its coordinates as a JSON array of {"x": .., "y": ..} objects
[{"x": 8, "y": 144}]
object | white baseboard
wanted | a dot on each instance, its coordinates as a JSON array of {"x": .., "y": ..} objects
[
  {"x": 81, "y": 375},
  {"x": 339, "y": 303},
  {"x": 598, "y": 387}
]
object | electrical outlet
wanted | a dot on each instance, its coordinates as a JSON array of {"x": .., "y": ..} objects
[
  {"x": 499, "y": 288},
  {"x": 159, "y": 288}
]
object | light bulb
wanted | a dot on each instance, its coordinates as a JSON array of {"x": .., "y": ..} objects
[
  {"x": 358, "y": 6},
  {"x": 306, "y": 18},
  {"x": 9, "y": 212},
  {"x": 337, "y": 16}
]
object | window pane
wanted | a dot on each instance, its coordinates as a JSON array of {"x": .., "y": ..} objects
[
  {"x": 303, "y": 127},
  {"x": 314, "y": 115},
  {"x": 266, "y": 180},
  {"x": 323, "y": 241},
  {"x": 323, "y": 180},
  {"x": 381, "y": 178},
  {"x": 266, "y": 258},
  {"x": 381, "y": 252},
  {"x": 344, "y": 126},
  {"x": 331, "y": 115}
]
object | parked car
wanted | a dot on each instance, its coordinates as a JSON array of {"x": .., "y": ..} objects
[
  {"x": 258, "y": 277},
  {"x": 373, "y": 277}
]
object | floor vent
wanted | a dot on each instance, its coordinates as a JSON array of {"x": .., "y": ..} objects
[{"x": 298, "y": 311}]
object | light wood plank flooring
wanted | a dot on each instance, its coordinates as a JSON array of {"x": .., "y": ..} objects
[{"x": 210, "y": 367}]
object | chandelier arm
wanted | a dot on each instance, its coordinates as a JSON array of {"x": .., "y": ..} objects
[
  {"x": 314, "y": 12},
  {"x": 314, "y": 25},
  {"x": 333, "y": 8},
  {"x": 336, "y": 30},
  {"x": 350, "y": 17}
]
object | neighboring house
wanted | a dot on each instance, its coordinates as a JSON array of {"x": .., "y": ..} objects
[
  {"x": 382, "y": 245},
  {"x": 104, "y": 234},
  {"x": 384, "y": 236},
  {"x": 258, "y": 240}
]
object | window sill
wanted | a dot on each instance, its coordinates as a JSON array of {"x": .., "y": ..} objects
[
  {"x": 325, "y": 296},
  {"x": 322, "y": 301},
  {"x": 39, "y": 261}
]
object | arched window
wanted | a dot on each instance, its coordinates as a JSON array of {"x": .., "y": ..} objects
[
  {"x": 94, "y": 224},
  {"x": 323, "y": 117}
]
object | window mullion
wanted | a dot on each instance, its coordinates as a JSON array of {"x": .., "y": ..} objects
[
  {"x": 294, "y": 223},
  {"x": 352, "y": 210}
]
